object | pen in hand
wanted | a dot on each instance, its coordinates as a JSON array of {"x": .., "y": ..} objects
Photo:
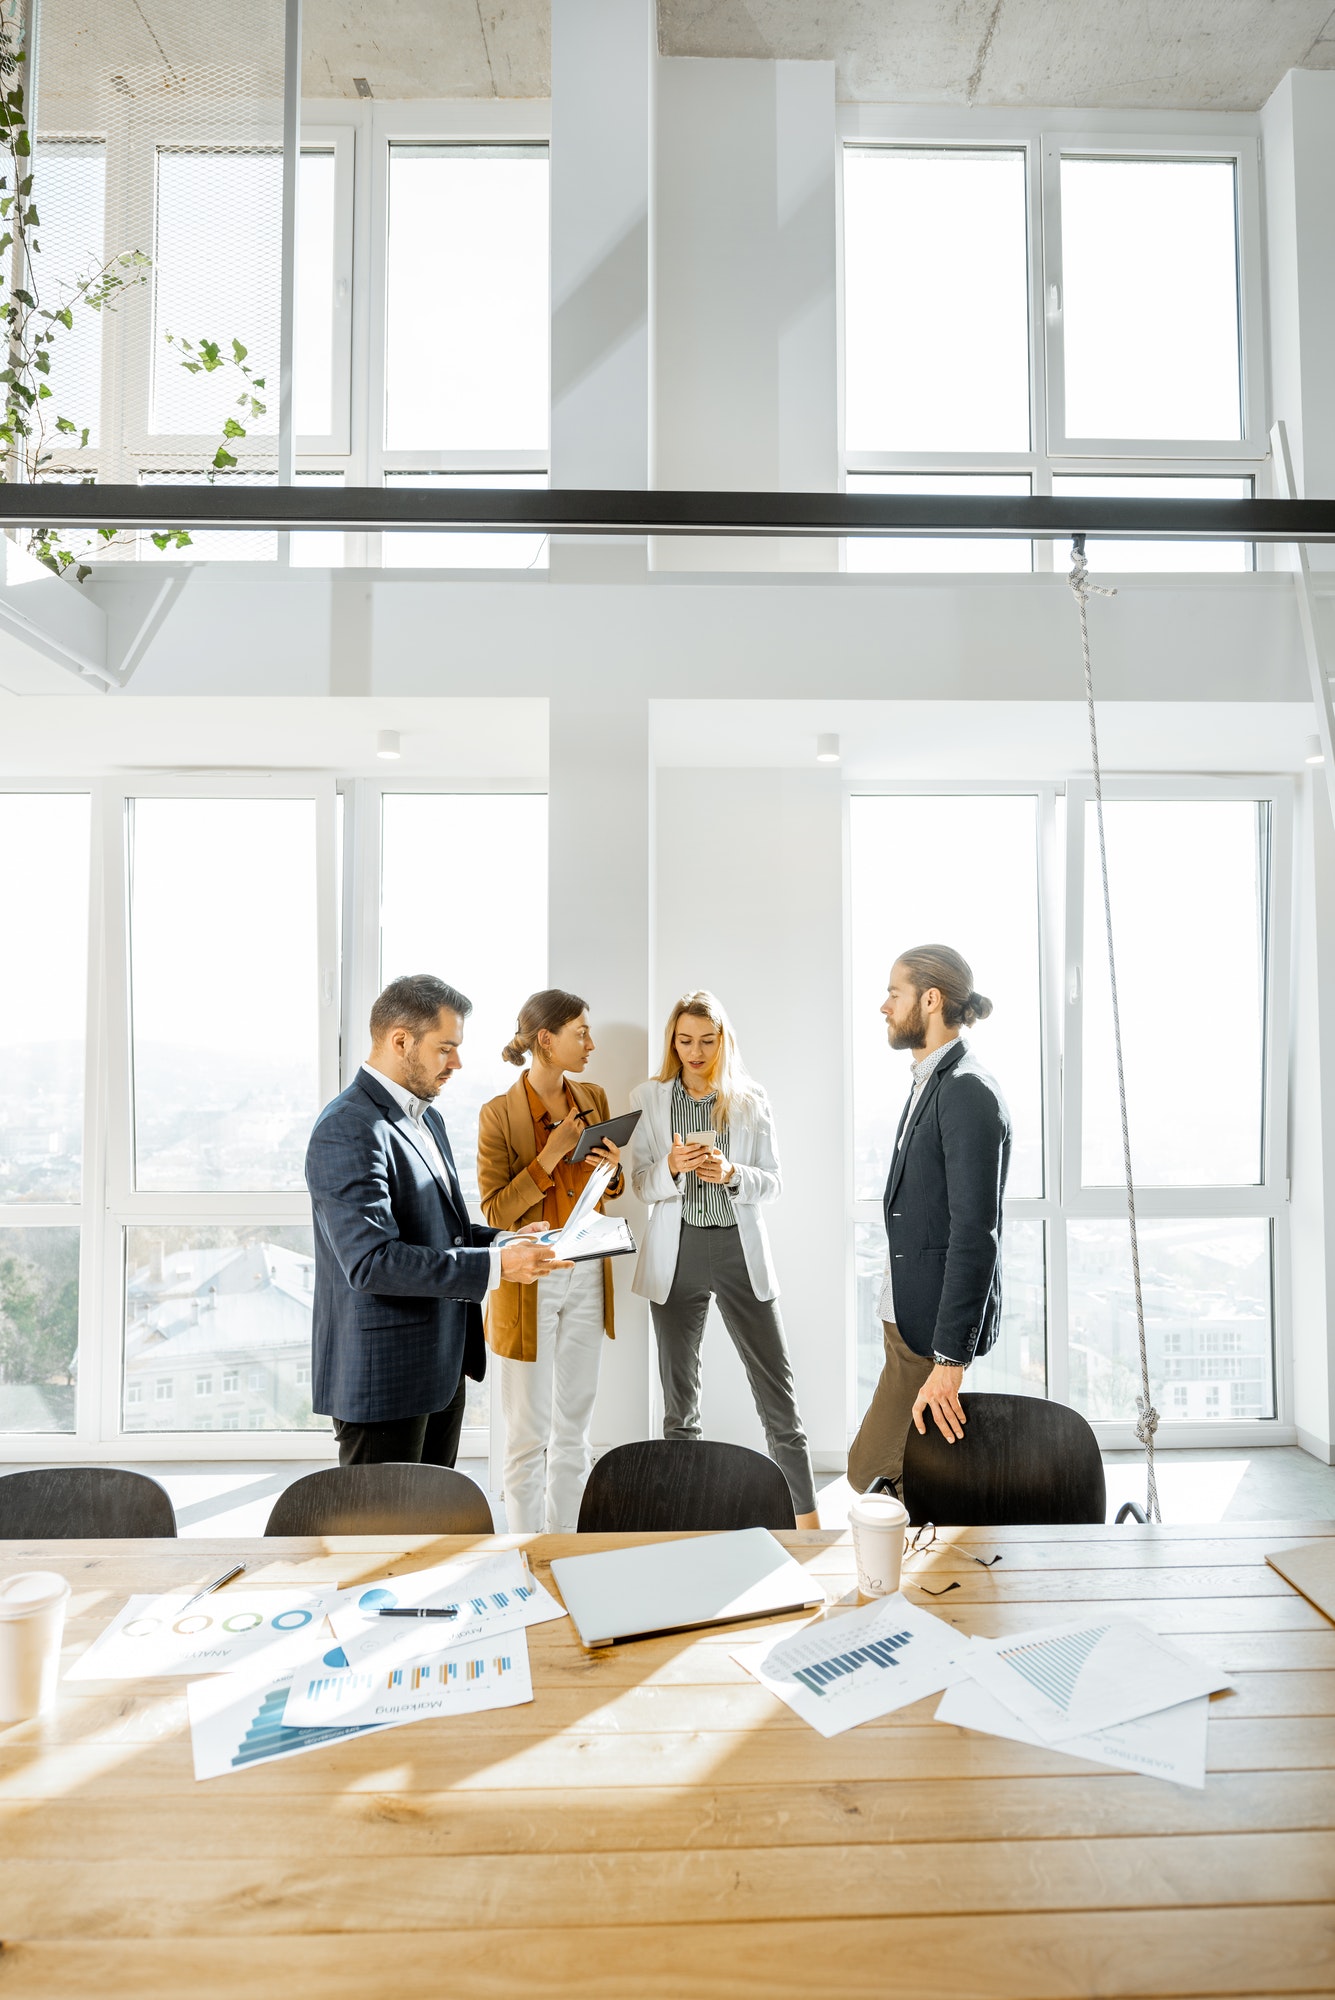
[{"x": 415, "y": 1611}]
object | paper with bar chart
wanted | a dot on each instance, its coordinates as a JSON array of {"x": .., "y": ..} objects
[
  {"x": 1069, "y": 1680},
  {"x": 492, "y": 1595},
  {"x": 271, "y": 1627},
  {"x": 236, "y": 1721},
  {"x": 458, "y": 1681},
  {"x": 1168, "y": 1745},
  {"x": 860, "y": 1664}
]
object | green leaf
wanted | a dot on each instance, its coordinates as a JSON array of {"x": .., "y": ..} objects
[
  {"x": 23, "y": 147},
  {"x": 82, "y": 573},
  {"x": 64, "y": 425},
  {"x": 239, "y": 352},
  {"x": 162, "y": 541},
  {"x": 65, "y": 316},
  {"x": 232, "y": 429},
  {"x": 222, "y": 459},
  {"x": 24, "y": 298},
  {"x": 43, "y": 390},
  {"x": 106, "y": 534}
]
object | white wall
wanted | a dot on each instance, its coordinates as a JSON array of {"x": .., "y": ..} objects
[
  {"x": 750, "y": 905},
  {"x": 1312, "y": 1121}
]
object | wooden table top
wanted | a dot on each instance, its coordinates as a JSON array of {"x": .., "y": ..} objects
[{"x": 655, "y": 1826}]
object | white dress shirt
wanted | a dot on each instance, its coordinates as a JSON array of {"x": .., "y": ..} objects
[
  {"x": 922, "y": 1072},
  {"x": 416, "y": 1108}
]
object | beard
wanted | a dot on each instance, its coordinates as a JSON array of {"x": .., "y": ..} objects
[
  {"x": 911, "y": 1031},
  {"x": 419, "y": 1079}
]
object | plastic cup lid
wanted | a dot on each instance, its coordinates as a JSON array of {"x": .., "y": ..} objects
[
  {"x": 879, "y": 1510},
  {"x": 31, "y": 1590}
]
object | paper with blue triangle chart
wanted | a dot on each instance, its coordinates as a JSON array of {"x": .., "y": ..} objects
[
  {"x": 1071, "y": 1679},
  {"x": 493, "y": 1593},
  {"x": 850, "y": 1668},
  {"x": 278, "y": 1624},
  {"x": 1169, "y": 1744},
  {"x": 236, "y": 1721},
  {"x": 456, "y": 1680}
]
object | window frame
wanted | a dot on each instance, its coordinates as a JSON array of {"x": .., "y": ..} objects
[
  {"x": 1060, "y": 931},
  {"x": 1244, "y": 156},
  {"x": 1089, "y": 133}
]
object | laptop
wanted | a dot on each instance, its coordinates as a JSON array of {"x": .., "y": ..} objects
[{"x": 623, "y": 1594}]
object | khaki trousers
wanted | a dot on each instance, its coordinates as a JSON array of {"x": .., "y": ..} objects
[{"x": 878, "y": 1449}]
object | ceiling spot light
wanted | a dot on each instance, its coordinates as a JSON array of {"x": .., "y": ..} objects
[
  {"x": 827, "y": 749},
  {"x": 1314, "y": 753},
  {"x": 387, "y": 744}
]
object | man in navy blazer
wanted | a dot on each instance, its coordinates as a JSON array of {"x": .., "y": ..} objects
[
  {"x": 941, "y": 1300},
  {"x": 400, "y": 1268}
]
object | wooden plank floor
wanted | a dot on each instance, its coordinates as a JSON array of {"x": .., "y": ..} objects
[{"x": 655, "y": 1824}]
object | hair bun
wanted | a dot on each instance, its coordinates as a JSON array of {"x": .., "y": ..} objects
[
  {"x": 515, "y": 1051},
  {"x": 979, "y": 1006}
]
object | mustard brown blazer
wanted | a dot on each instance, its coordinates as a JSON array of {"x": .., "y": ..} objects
[{"x": 506, "y": 1149}]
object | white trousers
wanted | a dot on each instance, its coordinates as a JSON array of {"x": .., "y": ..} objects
[{"x": 548, "y": 1404}]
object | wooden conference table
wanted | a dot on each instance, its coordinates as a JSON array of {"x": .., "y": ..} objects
[{"x": 655, "y": 1824}]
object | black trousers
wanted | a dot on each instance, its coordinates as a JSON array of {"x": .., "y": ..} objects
[{"x": 428, "y": 1440}]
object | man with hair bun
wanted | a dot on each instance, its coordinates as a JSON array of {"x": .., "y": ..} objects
[{"x": 941, "y": 1300}]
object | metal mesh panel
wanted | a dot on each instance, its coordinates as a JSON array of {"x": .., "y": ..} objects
[{"x": 185, "y": 107}]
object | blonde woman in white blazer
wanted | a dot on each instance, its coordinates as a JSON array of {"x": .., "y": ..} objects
[{"x": 703, "y": 1158}]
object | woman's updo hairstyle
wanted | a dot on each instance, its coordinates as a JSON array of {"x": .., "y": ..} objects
[
  {"x": 937, "y": 965},
  {"x": 546, "y": 1012}
]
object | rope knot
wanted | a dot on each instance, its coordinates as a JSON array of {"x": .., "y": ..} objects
[
  {"x": 1147, "y": 1419},
  {"x": 1081, "y": 587}
]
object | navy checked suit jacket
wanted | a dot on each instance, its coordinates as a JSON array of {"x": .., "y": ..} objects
[
  {"x": 943, "y": 1211},
  {"x": 400, "y": 1269}
]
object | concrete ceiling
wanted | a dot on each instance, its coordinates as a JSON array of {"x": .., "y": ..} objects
[
  {"x": 1199, "y": 55},
  {"x": 1131, "y": 54}
]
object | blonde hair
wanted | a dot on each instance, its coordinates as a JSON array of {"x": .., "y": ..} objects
[{"x": 733, "y": 1087}]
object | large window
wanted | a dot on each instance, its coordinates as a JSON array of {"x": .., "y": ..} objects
[
  {"x": 1014, "y": 883},
  {"x": 44, "y": 875},
  {"x": 1055, "y": 318},
  {"x": 156, "y": 1248}
]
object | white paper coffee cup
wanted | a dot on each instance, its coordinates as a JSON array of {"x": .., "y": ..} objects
[
  {"x": 878, "y": 1522},
  {"x": 32, "y": 1625}
]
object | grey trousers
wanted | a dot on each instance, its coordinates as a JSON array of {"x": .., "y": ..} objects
[
  {"x": 711, "y": 1264},
  {"x": 878, "y": 1449}
]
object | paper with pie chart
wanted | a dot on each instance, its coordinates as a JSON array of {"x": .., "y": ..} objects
[
  {"x": 273, "y": 1627},
  {"x": 492, "y": 1594}
]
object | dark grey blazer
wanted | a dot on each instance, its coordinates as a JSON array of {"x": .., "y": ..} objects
[
  {"x": 400, "y": 1269},
  {"x": 943, "y": 1211}
]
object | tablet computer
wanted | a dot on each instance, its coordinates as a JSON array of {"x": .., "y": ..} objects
[{"x": 618, "y": 1130}]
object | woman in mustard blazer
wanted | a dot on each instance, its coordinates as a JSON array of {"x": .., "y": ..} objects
[{"x": 548, "y": 1337}]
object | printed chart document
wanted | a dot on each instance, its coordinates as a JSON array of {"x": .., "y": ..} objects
[
  {"x": 1069, "y": 1680},
  {"x": 1168, "y": 1745},
  {"x": 236, "y": 1720},
  {"x": 459, "y": 1680},
  {"x": 274, "y": 1624},
  {"x": 585, "y": 1233},
  {"x": 491, "y": 1594},
  {"x": 852, "y": 1668}
]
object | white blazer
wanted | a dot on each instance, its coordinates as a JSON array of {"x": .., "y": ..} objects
[{"x": 751, "y": 1150}]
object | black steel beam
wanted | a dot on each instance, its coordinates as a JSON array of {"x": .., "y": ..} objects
[{"x": 633, "y": 512}]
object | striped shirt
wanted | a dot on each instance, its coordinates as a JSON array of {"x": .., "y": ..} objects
[{"x": 704, "y": 1204}]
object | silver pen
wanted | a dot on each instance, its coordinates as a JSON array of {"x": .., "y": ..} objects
[{"x": 237, "y": 1569}]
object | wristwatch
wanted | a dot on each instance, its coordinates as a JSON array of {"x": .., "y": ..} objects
[{"x": 948, "y": 1361}]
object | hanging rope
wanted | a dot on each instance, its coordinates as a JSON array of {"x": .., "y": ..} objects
[{"x": 1147, "y": 1417}]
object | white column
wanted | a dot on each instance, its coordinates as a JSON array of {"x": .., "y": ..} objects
[
  {"x": 600, "y": 914},
  {"x": 1298, "y": 167},
  {"x": 1312, "y": 1123},
  {"x": 602, "y": 57},
  {"x": 745, "y": 327}
]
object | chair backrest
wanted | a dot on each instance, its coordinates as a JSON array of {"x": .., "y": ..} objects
[
  {"x": 663, "y": 1484},
  {"x": 382, "y": 1500},
  {"x": 1021, "y": 1459},
  {"x": 83, "y": 1503}
]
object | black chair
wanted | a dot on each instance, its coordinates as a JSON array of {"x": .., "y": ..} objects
[
  {"x": 662, "y": 1484},
  {"x": 1021, "y": 1460},
  {"x": 83, "y": 1503},
  {"x": 382, "y": 1500}
]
